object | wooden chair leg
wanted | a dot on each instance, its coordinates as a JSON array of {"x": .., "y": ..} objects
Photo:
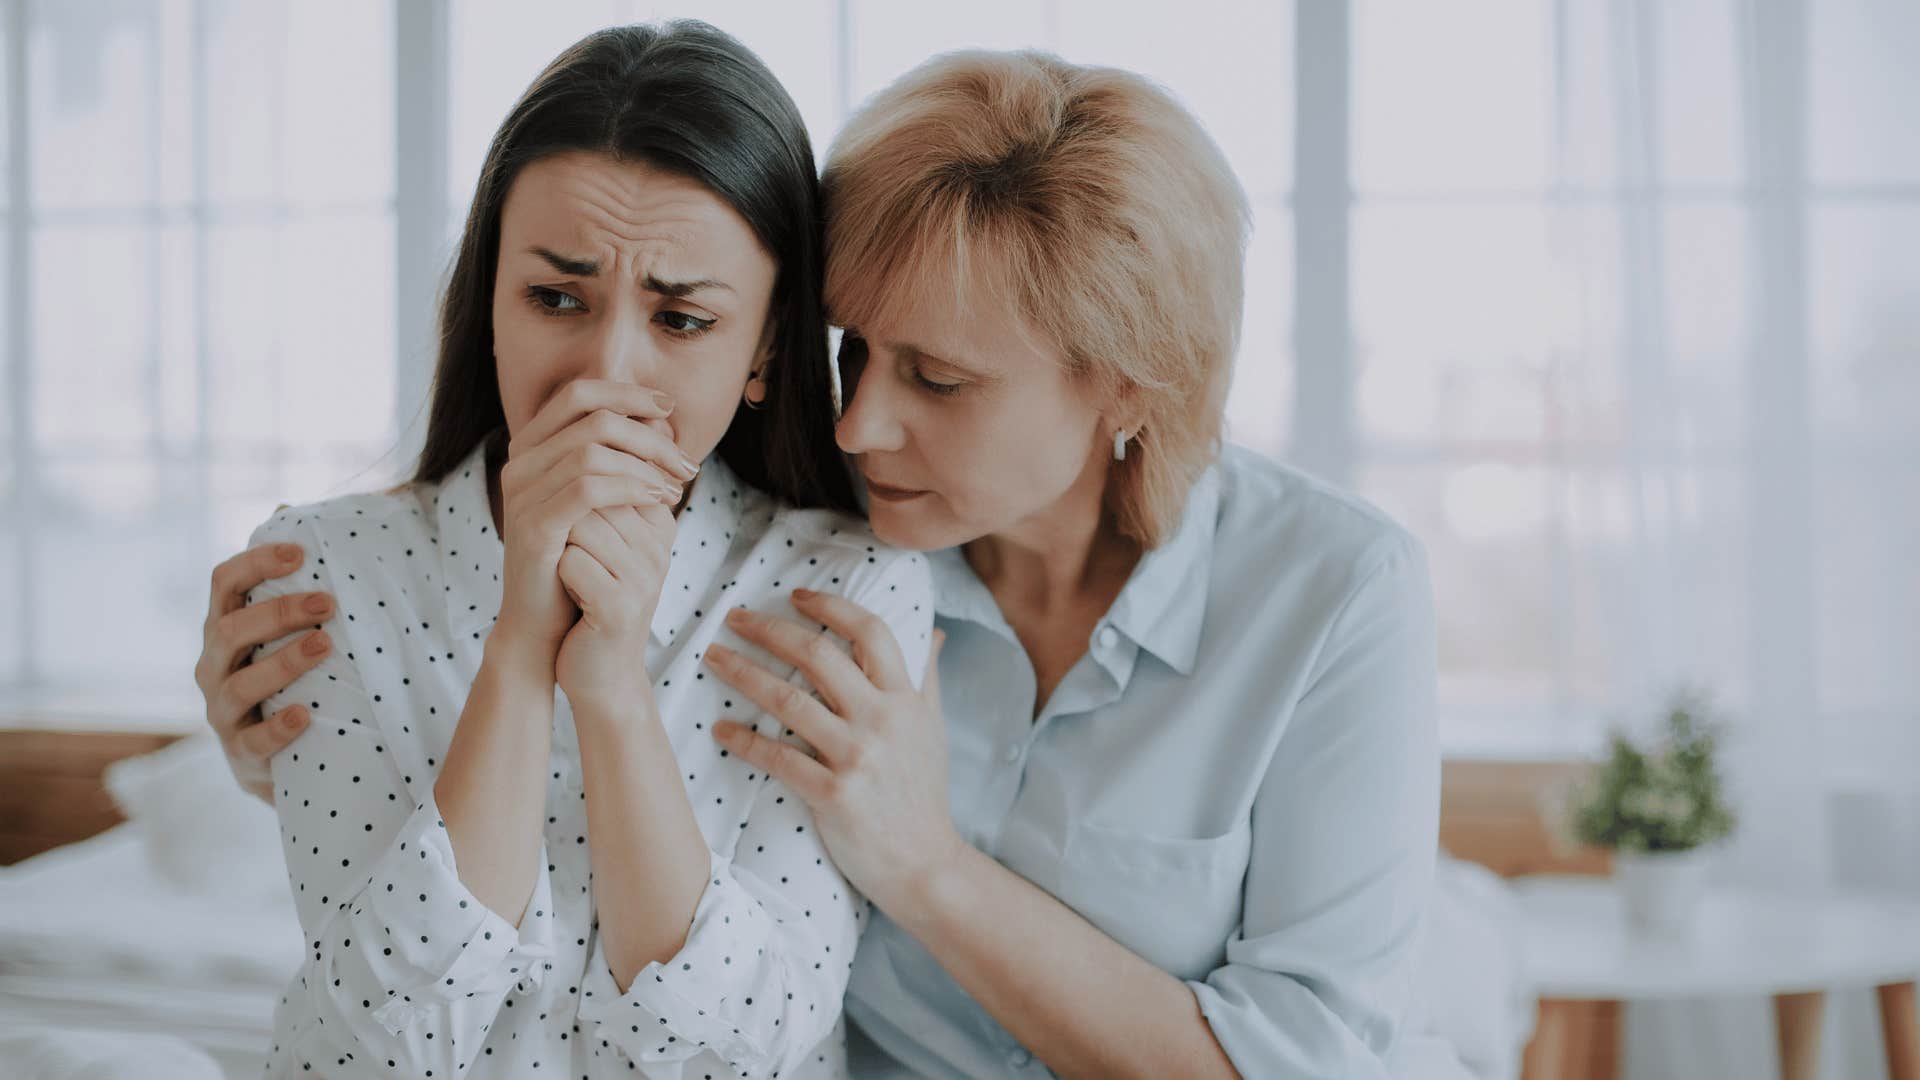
[
  {"x": 1798, "y": 1016},
  {"x": 1574, "y": 1040},
  {"x": 1900, "y": 1027}
]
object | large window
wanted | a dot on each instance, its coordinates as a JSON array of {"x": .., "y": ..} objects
[
  {"x": 1611, "y": 303},
  {"x": 199, "y": 313}
]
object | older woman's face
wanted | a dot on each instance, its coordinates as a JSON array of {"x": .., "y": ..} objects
[
  {"x": 966, "y": 424},
  {"x": 610, "y": 270}
]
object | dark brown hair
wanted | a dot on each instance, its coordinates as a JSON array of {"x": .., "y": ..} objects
[{"x": 688, "y": 99}]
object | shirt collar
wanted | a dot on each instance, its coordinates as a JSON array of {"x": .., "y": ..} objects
[
  {"x": 473, "y": 555},
  {"x": 1163, "y": 606},
  {"x": 702, "y": 537}
]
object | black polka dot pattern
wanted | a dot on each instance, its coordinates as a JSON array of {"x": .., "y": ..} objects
[{"x": 404, "y": 965}]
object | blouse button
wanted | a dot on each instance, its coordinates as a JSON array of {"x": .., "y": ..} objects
[
  {"x": 1011, "y": 754},
  {"x": 1020, "y": 1058},
  {"x": 1109, "y": 637}
]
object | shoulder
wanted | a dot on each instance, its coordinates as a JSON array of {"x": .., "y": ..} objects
[
  {"x": 1271, "y": 513},
  {"x": 842, "y": 540},
  {"x": 347, "y": 532},
  {"x": 839, "y": 553},
  {"x": 344, "y": 516}
]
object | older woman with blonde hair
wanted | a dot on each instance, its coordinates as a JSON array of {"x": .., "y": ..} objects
[{"x": 1166, "y": 803}]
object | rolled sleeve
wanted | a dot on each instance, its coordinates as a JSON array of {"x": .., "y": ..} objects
[
  {"x": 758, "y": 981},
  {"x": 1317, "y": 983},
  {"x": 445, "y": 944}
]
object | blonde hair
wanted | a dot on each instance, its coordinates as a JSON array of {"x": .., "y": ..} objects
[{"x": 1088, "y": 197}]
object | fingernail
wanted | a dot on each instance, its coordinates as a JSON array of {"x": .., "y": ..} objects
[
  {"x": 296, "y": 717},
  {"x": 717, "y": 652},
  {"x": 318, "y": 605},
  {"x": 689, "y": 466},
  {"x": 738, "y": 615},
  {"x": 804, "y": 594},
  {"x": 315, "y": 644},
  {"x": 288, "y": 552},
  {"x": 663, "y": 399}
]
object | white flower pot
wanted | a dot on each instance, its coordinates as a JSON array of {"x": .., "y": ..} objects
[{"x": 1662, "y": 890}]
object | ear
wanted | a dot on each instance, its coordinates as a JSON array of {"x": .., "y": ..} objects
[
  {"x": 1126, "y": 412},
  {"x": 763, "y": 352}
]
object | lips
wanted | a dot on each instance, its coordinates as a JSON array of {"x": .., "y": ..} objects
[{"x": 890, "y": 493}]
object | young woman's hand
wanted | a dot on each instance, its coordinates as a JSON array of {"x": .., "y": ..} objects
[
  {"x": 232, "y": 685},
  {"x": 588, "y": 457},
  {"x": 877, "y": 783}
]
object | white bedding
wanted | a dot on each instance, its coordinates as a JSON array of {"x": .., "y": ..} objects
[
  {"x": 179, "y": 924},
  {"x": 98, "y": 938}
]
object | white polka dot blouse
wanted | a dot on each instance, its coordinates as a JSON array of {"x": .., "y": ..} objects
[{"x": 406, "y": 972}]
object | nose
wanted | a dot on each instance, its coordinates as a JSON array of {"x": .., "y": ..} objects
[
  {"x": 621, "y": 349},
  {"x": 871, "y": 420}
]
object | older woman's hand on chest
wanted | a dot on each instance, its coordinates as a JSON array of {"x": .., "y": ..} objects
[{"x": 877, "y": 780}]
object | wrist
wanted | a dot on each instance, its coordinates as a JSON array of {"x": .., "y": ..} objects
[
  {"x": 939, "y": 886},
  {"x": 519, "y": 656},
  {"x": 613, "y": 703}
]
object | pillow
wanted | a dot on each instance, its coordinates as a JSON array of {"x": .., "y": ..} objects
[{"x": 201, "y": 832}]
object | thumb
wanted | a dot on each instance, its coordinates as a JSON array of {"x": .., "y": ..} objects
[{"x": 930, "y": 682}]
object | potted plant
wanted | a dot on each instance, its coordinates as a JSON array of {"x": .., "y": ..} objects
[{"x": 1659, "y": 807}]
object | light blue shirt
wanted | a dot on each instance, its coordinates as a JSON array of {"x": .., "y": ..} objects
[{"x": 1239, "y": 782}]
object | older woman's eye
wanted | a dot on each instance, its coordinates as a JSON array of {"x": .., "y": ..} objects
[
  {"x": 930, "y": 385},
  {"x": 552, "y": 301},
  {"x": 684, "y": 325}
]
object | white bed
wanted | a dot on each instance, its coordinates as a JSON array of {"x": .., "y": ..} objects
[
  {"x": 174, "y": 928},
  {"x": 165, "y": 943}
]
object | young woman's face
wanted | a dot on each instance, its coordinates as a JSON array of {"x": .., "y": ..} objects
[
  {"x": 966, "y": 424},
  {"x": 610, "y": 270}
]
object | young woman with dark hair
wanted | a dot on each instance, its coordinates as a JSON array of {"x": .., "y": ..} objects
[{"x": 513, "y": 843}]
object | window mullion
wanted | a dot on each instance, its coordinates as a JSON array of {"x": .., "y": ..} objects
[
  {"x": 19, "y": 338},
  {"x": 422, "y": 83},
  {"x": 1323, "y": 421}
]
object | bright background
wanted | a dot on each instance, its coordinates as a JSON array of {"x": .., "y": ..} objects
[{"x": 1616, "y": 304}]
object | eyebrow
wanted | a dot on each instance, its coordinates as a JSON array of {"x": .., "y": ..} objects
[
  {"x": 573, "y": 267},
  {"x": 959, "y": 366}
]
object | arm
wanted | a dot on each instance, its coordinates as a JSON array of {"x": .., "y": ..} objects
[
  {"x": 757, "y": 962},
  {"x": 405, "y": 962},
  {"x": 1316, "y": 981},
  {"x": 1314, "y": 985},
  {"x": 1345, "y": 834},
  {"x": 761, "y": 943}
]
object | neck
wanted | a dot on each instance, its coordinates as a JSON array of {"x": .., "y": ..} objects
[{"x": 1061, "y": 560}]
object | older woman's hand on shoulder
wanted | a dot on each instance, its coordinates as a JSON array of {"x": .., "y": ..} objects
[
  {"x": 877, "y": 783},
  {"x": 232, "y": 685}
]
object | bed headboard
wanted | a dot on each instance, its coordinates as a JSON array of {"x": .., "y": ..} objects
[{"x": 51, "y": 792}]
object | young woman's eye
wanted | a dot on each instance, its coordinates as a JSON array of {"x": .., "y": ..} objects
[
  {"x": 552, "y": 301},
  {"x": 683, "y": 324}
]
